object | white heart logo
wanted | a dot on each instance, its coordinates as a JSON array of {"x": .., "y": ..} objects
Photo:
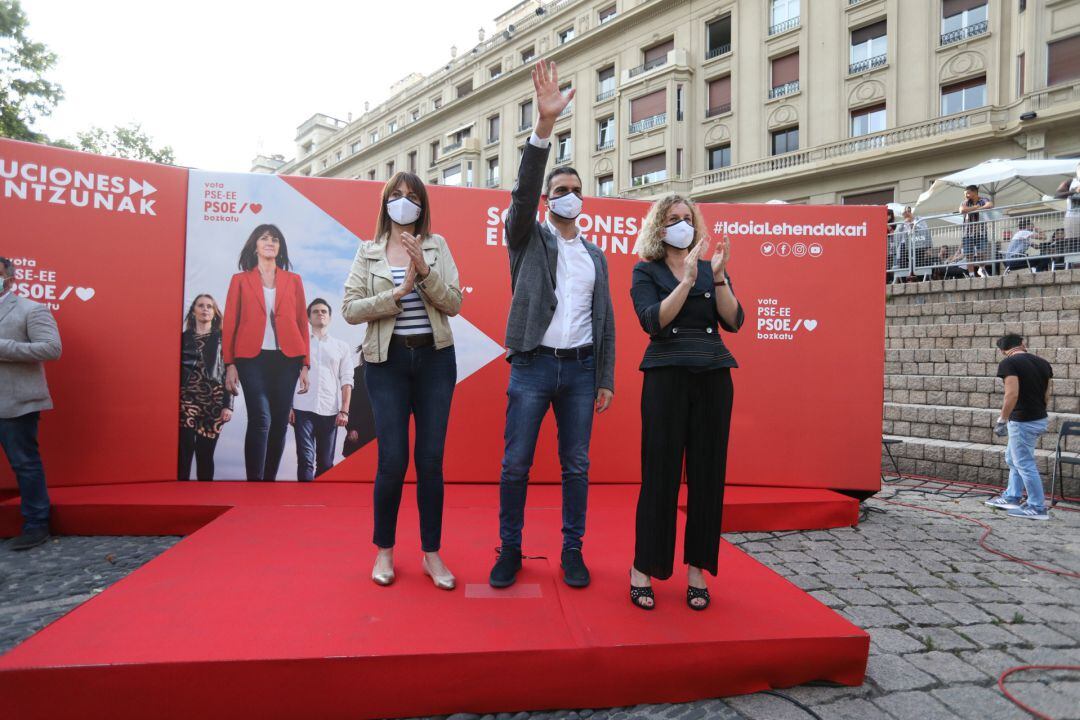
[
  {"x": 467, "y": 289},
  {"x": 84, "y": 293},
  {"x": 810, "y": 325}
]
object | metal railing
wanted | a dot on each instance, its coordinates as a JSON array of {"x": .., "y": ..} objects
[
  {"x": 525, "y": 126},
  {"x": 718, "y": 51},
  {"x": 447, "y": 149},
  {"x": 868, "y": 64},
  {"x": 1028, "y": 239},
  {"x": 970, "y": 31},
  {"x": 605, "y": 94},
  {"x": 654, "y": 63},
  {"x": 493, "y": 182},
  {"x": 648, "y": 178},
  {"x": 785, "y": 89},
  {"x": 648, "y": 123},
  {"x": 718, "y": 110},
  {"x": 605, "y": 144},
  {"x": 784, "y": 26}
]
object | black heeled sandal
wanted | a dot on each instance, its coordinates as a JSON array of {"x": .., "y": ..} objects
[
  {"x": 693, "y": 593},
  {"x": 640, "y": 593}
]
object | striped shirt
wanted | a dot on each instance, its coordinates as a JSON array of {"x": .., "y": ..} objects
[{"x": 413, "y": 319}]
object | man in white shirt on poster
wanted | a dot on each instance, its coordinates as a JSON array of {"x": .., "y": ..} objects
[{"x": 318, "y": 413}]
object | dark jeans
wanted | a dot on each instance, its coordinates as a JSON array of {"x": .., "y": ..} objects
[
  {"x": 683, "y": 414},
  {"x": 18, "y": 437},
  {"x": 268, "y": 382},
  {"x": 199, "y": 447},
  {"x": 417, "y": 382},
  {"x": 316, "y": 436},
  {"x": 567, "y": 385}
]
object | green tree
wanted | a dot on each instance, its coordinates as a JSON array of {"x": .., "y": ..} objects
[
  {"x": 128, "y": 142},
  {"x": 25, "y": 94}
]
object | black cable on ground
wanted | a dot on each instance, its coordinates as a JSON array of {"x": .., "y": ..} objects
[{"x": 793, "y": 701}]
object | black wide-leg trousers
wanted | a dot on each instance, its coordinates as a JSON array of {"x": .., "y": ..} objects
[{"x": 683, "y": 414}]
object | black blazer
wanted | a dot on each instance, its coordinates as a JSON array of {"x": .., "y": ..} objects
[{"x": 692, "y": 339}]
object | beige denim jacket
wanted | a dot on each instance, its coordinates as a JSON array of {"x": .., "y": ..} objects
[{"x": 370, "y": 287}]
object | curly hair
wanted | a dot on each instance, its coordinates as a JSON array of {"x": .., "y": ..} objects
[{"x": 650, "y": 241}]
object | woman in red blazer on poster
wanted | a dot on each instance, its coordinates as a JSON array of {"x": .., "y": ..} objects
[{"x": 265, "y": 352}]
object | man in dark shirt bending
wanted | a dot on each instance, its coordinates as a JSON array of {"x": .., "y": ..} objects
[{"x": 1023, "y": 418}]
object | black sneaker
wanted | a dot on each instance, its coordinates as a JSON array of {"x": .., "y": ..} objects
[
  {"x": 575, "y": 574},
  {"x": 506, "y": 567},
  {"x": 30, "y": 539}
]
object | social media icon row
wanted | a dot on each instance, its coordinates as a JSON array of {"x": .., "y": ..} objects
[{"x": 784, "y": 249}]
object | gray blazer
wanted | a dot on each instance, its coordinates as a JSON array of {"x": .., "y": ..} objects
[
  {"x": 534, "y": 254},
  {"x": 28, "y": 337}
]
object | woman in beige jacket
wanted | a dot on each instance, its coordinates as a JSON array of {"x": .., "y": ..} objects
[{"x": 404, "y": 285}]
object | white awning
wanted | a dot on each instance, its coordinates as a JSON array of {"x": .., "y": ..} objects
[{"x": 455, "y": 131}]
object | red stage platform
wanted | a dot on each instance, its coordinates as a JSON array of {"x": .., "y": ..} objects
[{"x": 268, "y": 611}]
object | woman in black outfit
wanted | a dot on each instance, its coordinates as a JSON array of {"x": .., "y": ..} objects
[
  {"x": 205, "y": 406},
  {"x": 682, "y": 302}
]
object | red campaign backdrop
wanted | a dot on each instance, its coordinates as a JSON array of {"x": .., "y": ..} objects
[{"x": 808, "y": 394}]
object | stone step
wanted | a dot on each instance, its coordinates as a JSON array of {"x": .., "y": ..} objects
[
  {"x": 972, "y": 362},
  {"x": 961, "y": 424},
  {"x": 1035, "y": 344},
  {"x": 1012, "y": 285},
  {"x": 970, "y": 462},
  {"x": 1013, "y": 310},
  {"x": 971, "y": 392},
  {"x": 1053, "y": 332}
]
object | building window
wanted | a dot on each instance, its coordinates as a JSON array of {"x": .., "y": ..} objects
[
  {"x": 494, "y": 71},
  {"x": 412, "y": 162},
  {"x": 963, "y": 96},
  {"x": 873, "y": 197},
  {"x": 719, "y": 156},
  {"x": 783, "y": 15},
  {"x": 1021, "y": 5},
  {"x": 434, "y": 153},
  {"x": 785, "y": 141},
  {"x": 719, "y": 96},
  {"x": 605, "y": 83},
  {"x": 436, "y": 102},
  {"x": 528, "y": 54},
  {"x": 566, "y": 35},
  {"x": 654, "y": 57},
  {"x": 1063, "y": 60},
  {"x": 867, "y": 120},
  {"x": 606, "y": 14},
  {"x": 785, "y": 75},
  {"x": 392, "y": 126},
  {"x": 389, "y": 169},
  {"x": 605, "y": 185},
  {"x": 648, "y": 111},
  {"x": 565, "y": 148},
  {"x": 565, "y": 89},
  {"x": 371, "y": 174},
  {"x": 464, "y": 88},
  {"x": 325, "y": 162},
  {"x": 1020, "y": 75},
  {"x": 678, "y": 103},
  {"x": 605, "y": 133},
  {"x": 962, "y": 19},
  {"x": 718, "y": 37},
  {"x": 525, "y": 119},
  {"x": 493, "y": 126},
  {"x": 414, "y": 114},
  {"x": 452, "y": 175},
  {"x": 355, "y": 147},
  {"x": 868, "y": 47},
  {"x": 493, "y": 172},
  {"x": 678, "y": 162},
  {"x": 648, "y": 170}
]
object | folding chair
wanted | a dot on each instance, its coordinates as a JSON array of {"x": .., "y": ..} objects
[{"x": 1071, "y": 428}]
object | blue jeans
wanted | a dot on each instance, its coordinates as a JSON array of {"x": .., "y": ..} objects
[
  {"x": 567, "y": 385},
  {"x": 18, "y": 437},
  {"x": 269, "y": 382},
  {"x": 316, "y": 436},
  {"x": 1020, "y": 457},
  {"x": 417, "y": 382}
]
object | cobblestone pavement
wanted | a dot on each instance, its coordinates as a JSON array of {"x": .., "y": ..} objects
[{"x": 945, "y": 616}]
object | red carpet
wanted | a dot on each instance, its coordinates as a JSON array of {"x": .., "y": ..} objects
[
  {"x": 181, "y": 508},
  {"x": 269, "y": 612}
]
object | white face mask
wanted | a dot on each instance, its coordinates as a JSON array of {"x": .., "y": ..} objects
[
  {"x": 679, "y": 235},
  {"x": 567, "y": 207},
  {"x": 403, "y": 211}
]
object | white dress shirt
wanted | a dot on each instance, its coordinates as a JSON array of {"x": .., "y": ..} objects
[
  {"x": 269, "y": 336},
  {"x": 575, "y": 275},
  {"x": 331, "y": 369}
]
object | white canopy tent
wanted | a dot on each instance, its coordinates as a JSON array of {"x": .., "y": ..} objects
[{"x": 1005, "y": 182}]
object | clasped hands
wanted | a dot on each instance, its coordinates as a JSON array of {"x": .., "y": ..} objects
[{"x": 418, "y": 267}]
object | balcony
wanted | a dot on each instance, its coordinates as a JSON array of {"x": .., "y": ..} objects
[
  {"x": 974, "y": 30},
  {"x": 655, "y": 63},
  {"x": 493, "y": 182},
  {"x": 605, "y": 144},
  {"x": 465, "y": 145},
  {"x": 718, "y": 51},
  {"x": 604, "y": 94},
  {"x": 563, "y": 159},
  {"x": 785, "y": 89},
  {"x": 648, "y": 123},
  {"x": 718, "y": 110},
  {"x": 527, "y": 125},
  {"x": 447, "y": 149},
  {"x": 648, "y": 178},
  {"x": 784, "y": 26},
  {"x": 844, "y": 149},
  {"x": 868, "y": 64}
]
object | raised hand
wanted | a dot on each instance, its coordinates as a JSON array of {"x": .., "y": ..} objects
[
  {"x": 416, "y": 254},
  {"x": 720, "y": 258},
  {"x": 550, "y": 101},
  {"x": 690, "y": 262}
]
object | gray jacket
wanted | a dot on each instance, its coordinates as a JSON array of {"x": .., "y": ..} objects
[
  {"x": 28, "y": 337},
  {"x": 534, "y": 254}
]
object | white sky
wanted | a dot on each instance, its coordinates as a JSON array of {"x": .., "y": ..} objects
[{"x": 221, "y": 81}]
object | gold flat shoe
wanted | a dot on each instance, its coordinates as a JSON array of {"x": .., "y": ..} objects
[
  {"x": 445, "y": 582},
  {"x": 382, "y": 578}
]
